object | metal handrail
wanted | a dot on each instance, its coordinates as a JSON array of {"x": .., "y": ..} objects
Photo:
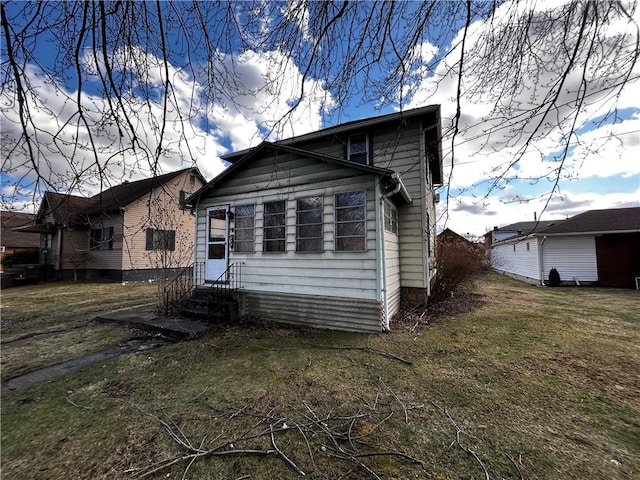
[
  {"x": 229, "y": 282},
  {"x": 176, "y": 290}
]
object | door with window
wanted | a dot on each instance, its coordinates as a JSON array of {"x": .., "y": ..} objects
[{"x": 217, "y": 243}]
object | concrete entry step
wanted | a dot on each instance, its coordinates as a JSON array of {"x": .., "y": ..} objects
[{"x": 146, "y": 319}]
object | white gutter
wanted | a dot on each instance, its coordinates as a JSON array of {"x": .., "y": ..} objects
[{"x": 399, "y": 188}]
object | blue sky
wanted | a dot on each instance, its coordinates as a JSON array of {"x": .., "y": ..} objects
[{"x": 602, "y": 168}]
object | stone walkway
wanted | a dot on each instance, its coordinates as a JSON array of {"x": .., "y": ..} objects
[{"x": 141, "y": 318}]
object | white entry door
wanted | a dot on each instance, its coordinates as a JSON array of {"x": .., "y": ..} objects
[{"x": 217, "y": 243}]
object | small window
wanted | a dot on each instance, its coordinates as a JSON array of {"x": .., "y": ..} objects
[
  {"x": 358, "y": 148},
  {"x": 309, "y": 235},
  {"x": 514, "y": 247},
  {"x": 182, "y": 199},
  {"x": 350, "y": 221},
  {"x": 528, "y": 248},
  {"x": 192, "y": 180},
  {"x": 160, "y": 239},
  {"x": 245, "y": 228},
  {"x": 2, "y": 249},
  {"x": 274, "y": 231},
  {"x": 101, "y": 239},
  {"x": 390, "y": 218}
]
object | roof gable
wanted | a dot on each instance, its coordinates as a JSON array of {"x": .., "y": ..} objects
[
  {"x": 266, "y": 148},
  {"x": 348, "y": 128}
]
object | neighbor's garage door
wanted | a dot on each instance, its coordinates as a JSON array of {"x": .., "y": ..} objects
[{"x": 618, "y": 259}]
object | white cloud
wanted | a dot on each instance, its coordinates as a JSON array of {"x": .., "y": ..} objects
[
  {"x": 490, "y": 144},
  {"x": 470, "y": 215},
  {"x": 250, "y": 109}
]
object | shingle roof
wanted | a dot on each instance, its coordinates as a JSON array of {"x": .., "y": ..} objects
[
  {"x": 599, "y": 221},
  {"x": 126, "y": 193},
  {"x": 527, "y": 227},
  {"x": 63, "y": 207},
  {"x": 10, "y": 238},
  {"x": 67, "y": 208}
]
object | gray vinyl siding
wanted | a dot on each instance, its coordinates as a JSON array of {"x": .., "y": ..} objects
[
  {"x": 400, "y": 150},
  {"x": 327, "y": 273},
  {"x": 318, "y": 311},
  {"x": 572, "y": 256}
]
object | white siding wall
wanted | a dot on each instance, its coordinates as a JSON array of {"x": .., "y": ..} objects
[
  {"x": 516, "y": 259},
  {"x": 392, "y": 267},
  {"x": 330, "y": 273},
  {"x": 572, "y": 256}
]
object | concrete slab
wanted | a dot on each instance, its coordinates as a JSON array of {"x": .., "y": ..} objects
[{"x": 145, "y": 318}]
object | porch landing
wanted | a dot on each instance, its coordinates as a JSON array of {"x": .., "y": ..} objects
[{"x": 147, "y": 319}]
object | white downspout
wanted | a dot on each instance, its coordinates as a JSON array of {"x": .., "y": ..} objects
[
  {"x": 385, "y": 296},
  {"x": 541, "y": 260}
]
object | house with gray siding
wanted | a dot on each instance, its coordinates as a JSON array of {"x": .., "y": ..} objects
[
  {"x": 596, "y": 247},
  {"x": 332, "y": 229}
]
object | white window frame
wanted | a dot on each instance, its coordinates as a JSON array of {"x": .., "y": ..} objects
[
  {"x": 300, "y": 240},
  {"x": 265, "y": 228},
  {"x": 245, "y": 229},
  {"x": 337, "y": 222},
  {"x": 391, "y": 219}
]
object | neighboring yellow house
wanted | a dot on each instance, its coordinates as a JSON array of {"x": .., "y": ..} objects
[{"x": 132, "y": 231}]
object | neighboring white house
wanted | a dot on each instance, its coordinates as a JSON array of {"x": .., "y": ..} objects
[
  {"x": 333, "y": 228},
  {"x": 596, "y": 247}
]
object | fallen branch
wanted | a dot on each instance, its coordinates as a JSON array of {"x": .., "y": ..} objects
[
  {"x": 335, "y": 436},
  {"x": 284, "y": 457},
  {"x": 457, "y": 440}
]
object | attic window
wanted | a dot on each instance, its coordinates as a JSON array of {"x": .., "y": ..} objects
[
  {"x": 192, "y": 180},
  {"x": 358, "y": 148}
]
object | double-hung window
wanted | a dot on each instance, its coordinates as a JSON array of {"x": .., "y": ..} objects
[
  {"x": 275, "y": 228},
  {"x": 101, "y": 238},
  {"x": 350, "y": 221},
  {"x": 309, "y": 224},
  {"x": 390, "y": 218},
  {"x": 160, "y": 239},
  {"x": 244, "y": 228},
  {"x": 358, "y": 148}
]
